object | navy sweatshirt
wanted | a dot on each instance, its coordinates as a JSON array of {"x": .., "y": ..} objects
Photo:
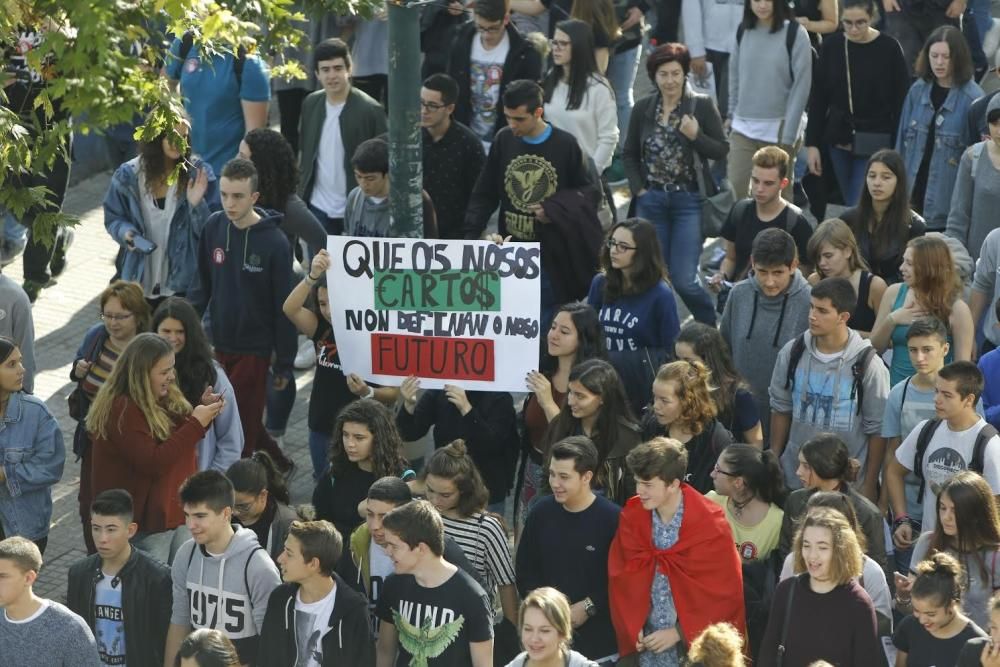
[{"x": 244, "y": 277}]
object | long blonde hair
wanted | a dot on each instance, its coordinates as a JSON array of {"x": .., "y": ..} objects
[{"x": 130, "y": 378}]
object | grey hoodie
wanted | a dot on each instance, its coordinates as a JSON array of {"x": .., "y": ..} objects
[
  {"x": 757, "y": 326},
  {"x": 987, "y": 272},
  {"x": 364, "y": 217},
  {"x": 227, "y": 592},
  {"x": 820, "y": 400}
]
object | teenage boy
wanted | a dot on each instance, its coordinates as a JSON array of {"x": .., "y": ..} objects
[
  {"x": 911, "y": 402},
  {"x": 565, "y": 545},
  {"x": 764, "y": 312},
  {"x": 765, "y": 209},
  {"x": 367, "y": 211},
  {"x": 35, "y": 632},
  {"x": 698, "y": 570},
  {"x": 244, "y": 276},
  {"x": 432, "y": 612},
  {"x": 365, "y": 564},
  {"x": 335, "y": 120},
  {"x": 222, "y": 577},
  {"x": 453, "y": 155},
  {"x": 486, "y": 55},
  {"x": 955, "y": 439},
  {"x": 538, "y": 176},
  {"x": 121, "y": 593},
  {"x": 314, "y": 619},
  {"x": 830, "y": 380}
]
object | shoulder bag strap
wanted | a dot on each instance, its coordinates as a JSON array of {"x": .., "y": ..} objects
[
  {"x": 784, "y": 622},
  {"x": 847, "y": 67}
]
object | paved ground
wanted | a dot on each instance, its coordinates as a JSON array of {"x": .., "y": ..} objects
[{"x": 62, "y": 314}]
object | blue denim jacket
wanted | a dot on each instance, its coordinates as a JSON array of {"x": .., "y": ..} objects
[
  {"x": 123, "y": 213},
  {"x": 32, "y": 454},
  {"x": 949, "y": 142}
]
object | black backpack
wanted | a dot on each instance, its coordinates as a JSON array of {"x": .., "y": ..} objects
[
  {"x": 790, "y": 34},
  {"x": 978, "y": 463},
  {"x": 187, "y": 41},
  {"x": 858, "y": 368}
]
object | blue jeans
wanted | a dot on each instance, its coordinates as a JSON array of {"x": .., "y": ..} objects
[
  {"x": 333, "y": 227},
  {"x": 677, "y": 218},
  {"x": 850, "y": 172},
  {"x": 279, "y": 405},
  {"x": 621, "y": 73},
  {"x": 319, "y": 452}
]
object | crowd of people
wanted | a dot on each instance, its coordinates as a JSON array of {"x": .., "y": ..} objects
[{"x": 803, "y": 472}]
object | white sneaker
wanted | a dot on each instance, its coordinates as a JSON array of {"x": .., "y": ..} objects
[{"x": 306, "y": 356}]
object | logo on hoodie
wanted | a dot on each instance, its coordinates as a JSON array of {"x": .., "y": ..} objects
[
  {"x": 253, "y": 264},
  {"x": 219, "y": 256}
]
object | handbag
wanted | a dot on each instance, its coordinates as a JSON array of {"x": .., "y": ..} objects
[
  {"x": 718, "y": 199},
  {"x": 863, "y": 144},
  {"x": 78, "y": 402}
]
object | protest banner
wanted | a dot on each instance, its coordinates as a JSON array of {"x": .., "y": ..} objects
[{"x": 448, "y": 312}]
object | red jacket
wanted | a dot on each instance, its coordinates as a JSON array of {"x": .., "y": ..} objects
[
  {"x": 703, "y": 567},
  {"x": 131, "y": 458}
]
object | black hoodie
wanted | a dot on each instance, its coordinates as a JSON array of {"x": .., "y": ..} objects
[
  {"x": 244, "y": 277},
  {"x": 348, "y": 641}
]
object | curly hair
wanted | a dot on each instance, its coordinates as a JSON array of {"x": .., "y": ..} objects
[
  {"x": 718, "y": 645},
  {"x": 713, "y": 351},
  {"x": 693, "y": 391},
  {"x": 387, "y": 446},
  {"x": 277, "y": 168}
]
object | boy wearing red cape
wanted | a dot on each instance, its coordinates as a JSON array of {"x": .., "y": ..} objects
[{"x": 673, "y": 569}]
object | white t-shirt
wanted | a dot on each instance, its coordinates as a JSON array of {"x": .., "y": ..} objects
[
  {"x": 312, "y": 619},
  {"x": 948, "y": 452},
  {"x": 157, "y": 229},
  {"x": 380, "y": 567},
  {"x": 42, "y": 606},
  {"x": 485, "y": 74},
  {"x": 329, "y": 193}
]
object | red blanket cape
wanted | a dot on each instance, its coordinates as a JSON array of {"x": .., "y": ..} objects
[{"x": 703, "y": 567}]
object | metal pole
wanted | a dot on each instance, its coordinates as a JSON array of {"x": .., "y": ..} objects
[{"x": 405, "y": 148}]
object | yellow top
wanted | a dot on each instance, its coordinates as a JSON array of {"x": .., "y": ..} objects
[{"x": 753, "y": 542}]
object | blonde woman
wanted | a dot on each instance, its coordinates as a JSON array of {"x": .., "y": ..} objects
[
  {"x": 718, "y": 645},
  {"x": 145, "y": 433},
  {"x": 546, "y": 630},
  {"x": 834, "y": 253},
  {"x": 823, "y": 613}
]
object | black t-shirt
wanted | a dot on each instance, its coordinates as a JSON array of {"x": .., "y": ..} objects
[
  {"x": 329, "y": 389},
  {"x": 559, "y": 10},
  {"x": 925, "y": 650},
  {"x": 336, "y": 498},
  {"x": 743, "y": 231},
  {"x": 459, "y": 610},
  {"x": 972, "y": 652}
]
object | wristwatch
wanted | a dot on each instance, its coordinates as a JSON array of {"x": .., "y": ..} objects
[{"x": 589, "y": 607}]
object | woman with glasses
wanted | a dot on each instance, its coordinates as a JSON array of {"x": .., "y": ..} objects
[
  {"x": 671, "y": 135},
  {"x": 124, "y": 313},
  {"x": 262, "y": 501},
  {"x": 633, "y": 280},
  {"x": 578, "y": 98},
  {"x": 157, "y": 218},
  {"x": 859, "y": 87},
  {"x": 825, "y": 465},
  {"x": 749, "y": 485}
]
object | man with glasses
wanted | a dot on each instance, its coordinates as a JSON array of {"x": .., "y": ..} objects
[
  {"x": 486, "y": 55},
  {"x": 453, "y": 155}
]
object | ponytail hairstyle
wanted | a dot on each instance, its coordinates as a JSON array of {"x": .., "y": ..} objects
[
  {"x": 693, "y": 391},
  {"x": 828, "y": 457},
  {"x": 259, "y": 472},
  {"x": 939, "y": 580},
  {"x": 841, "y": 502},
  {"x": 759, "y": 471},
  {"x": 452, "y": 462}
]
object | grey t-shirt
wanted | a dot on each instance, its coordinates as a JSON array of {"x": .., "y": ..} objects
[{"x": 978, "y": 589}]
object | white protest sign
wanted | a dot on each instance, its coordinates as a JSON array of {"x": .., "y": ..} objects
[{"x": 448, "y": 312}]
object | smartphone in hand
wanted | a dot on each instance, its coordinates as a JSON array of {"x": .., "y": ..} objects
[{"x": 143, "y": 245}]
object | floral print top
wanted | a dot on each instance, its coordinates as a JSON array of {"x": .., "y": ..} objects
[
  {"x": 663, "y": 152},
  {"x": 662, "y": 612}
]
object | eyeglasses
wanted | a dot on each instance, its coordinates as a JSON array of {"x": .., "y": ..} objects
[
  {"x": 719, "y": 470},
  {"x": 115, "y": 318},
  {"x": 490, "y": 29},
  {"x": 560, "y": 44},
  {"x": 857, "y": 25},
  {"x": 432, "y": 106},
  {"x": 619, "y": 246},
  {"x": 243, "y": 508}
]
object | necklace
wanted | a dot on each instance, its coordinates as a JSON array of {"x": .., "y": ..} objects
[{"x": 738, "y": 506}]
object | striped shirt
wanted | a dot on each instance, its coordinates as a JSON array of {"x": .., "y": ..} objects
[
  {"x": 100, "y": 369},
  {"x": 484, "y": 542}
]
